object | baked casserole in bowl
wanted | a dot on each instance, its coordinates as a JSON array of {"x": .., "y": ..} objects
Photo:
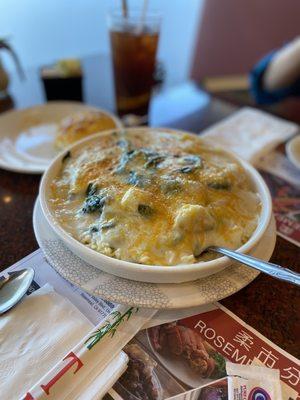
[{"x": 145, "y": 203}]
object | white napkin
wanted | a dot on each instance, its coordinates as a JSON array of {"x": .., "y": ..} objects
[
  {"x": 250, "y": 133},
  {"x": 34, "y": 336}
]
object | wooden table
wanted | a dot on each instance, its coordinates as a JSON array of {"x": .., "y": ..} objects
[{"x": 270, "y": 306}]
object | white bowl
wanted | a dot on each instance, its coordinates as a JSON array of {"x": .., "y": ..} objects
[{"x": 151, "y": 273}]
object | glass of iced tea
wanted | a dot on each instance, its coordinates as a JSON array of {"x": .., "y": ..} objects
[{"x": 134, "y": 42}]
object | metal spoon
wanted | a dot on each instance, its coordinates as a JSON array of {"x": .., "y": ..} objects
[
  {"x": 14, "y": 287},
  {"x": 274, "y": 270}
]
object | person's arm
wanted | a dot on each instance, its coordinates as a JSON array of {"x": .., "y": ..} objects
[
  {"x": 277, "y": 75},
  {"x": 284, "y": 68}
]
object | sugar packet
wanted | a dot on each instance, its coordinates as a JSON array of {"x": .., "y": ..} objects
[{"x": 252, "y": 382}]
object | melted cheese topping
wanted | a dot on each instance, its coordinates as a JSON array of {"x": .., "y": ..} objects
[{"x": 154, "y": 197}]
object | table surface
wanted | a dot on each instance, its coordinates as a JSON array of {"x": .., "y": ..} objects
[{"x": 268, "y": 305}]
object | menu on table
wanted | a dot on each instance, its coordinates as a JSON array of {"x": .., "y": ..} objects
[
  {"x": 186, "y": 358},
  {"x": 179, "y": 358},
  {"x": 283, "y": 180}
]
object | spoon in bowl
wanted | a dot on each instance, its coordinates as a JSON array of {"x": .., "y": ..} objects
[
  {"x": 14, "y": 287},
  {"x": 274, "y": 270}
]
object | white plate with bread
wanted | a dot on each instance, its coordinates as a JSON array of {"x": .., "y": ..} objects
[{"x": 32, "y": 137}]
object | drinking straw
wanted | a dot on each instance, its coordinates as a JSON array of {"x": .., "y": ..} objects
[
  {"x": 143, "y": 16},
  {"x": 124, "y": 8}
]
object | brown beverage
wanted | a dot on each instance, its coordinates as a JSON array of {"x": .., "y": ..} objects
[{"x": 133, "y": 52}]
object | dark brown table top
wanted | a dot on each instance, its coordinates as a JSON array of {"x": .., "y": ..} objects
[{"x": 270, "y": 306}]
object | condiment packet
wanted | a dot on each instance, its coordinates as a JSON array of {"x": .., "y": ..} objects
[{"x": 252, "y": 382}]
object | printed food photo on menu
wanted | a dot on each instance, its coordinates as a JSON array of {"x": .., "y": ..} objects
[
  {"x": 168, "y": 360},
  {"x": 183, "y": 349},
  {"x": 213, "y": 391},
  {"x": 145, "y": 378}
]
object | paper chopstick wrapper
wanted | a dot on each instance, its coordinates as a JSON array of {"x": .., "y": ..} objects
[
  {"x": 90, "y": 356},
  {"x": 104, "y": 382},
  {"x": 250, "y": 133}
]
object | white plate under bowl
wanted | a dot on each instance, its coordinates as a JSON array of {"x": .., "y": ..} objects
[
  {"x": 142, "y": 272},
  {"x": 27, "y": 136},
  {"x": 161, "y": 296}
]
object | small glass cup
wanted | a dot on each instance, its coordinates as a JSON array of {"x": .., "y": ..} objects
[{"x": 134, "y": 41}]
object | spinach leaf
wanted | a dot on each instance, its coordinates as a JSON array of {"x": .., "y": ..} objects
[
  {"x": 91, "y": 189},
  {"x": 187, "y": 170},
  {"x": 219, "y": 185},
  {"x": 192, "y": 159},
  {"x": 126, "y": 156},
  {"x": 154, "y": 161},
  {"x": 122, "y": 164},
  {"x": 149, "y": 152},
  {"x": 138, "y": 179},
  {"x": 123, "y": 143},
  {"x": 145, "y": 210},
  {"x": 192, "y": 163},
  {"x": 149, "y": 157},
  {"x": 170, "y": 185},
  {"x": 108, "y": 225},
  {"x": 93, "y": 203}
]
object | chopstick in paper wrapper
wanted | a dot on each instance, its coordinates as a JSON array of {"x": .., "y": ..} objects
[
  {"x": 90, "y": 356},
  {"x": 96, "y": 389}
]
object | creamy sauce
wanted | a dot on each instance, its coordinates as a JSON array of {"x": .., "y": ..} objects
[{"x": 154, "y": 197}]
